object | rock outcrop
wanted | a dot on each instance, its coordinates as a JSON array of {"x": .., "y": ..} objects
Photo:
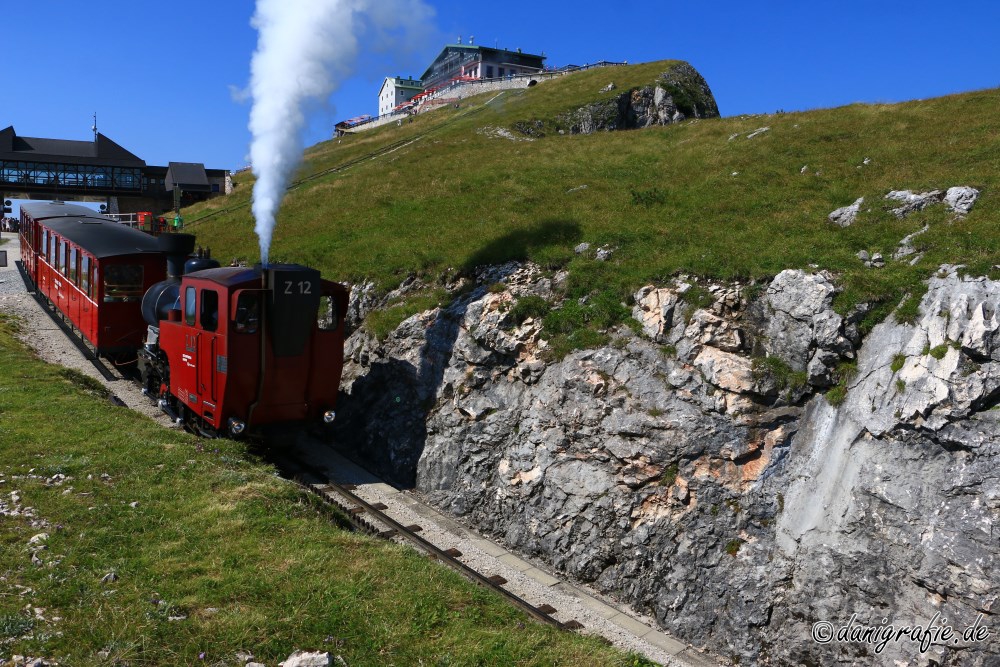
[
  {"x": 677, "y": 94},
  {"x": 695, "y": 469}
]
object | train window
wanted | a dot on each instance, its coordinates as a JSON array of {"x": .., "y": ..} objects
[
  {"x": 326, "y": 319},
  {"x": 63, "y": 252},
  {"x": 123, "y": 282},
  {"x": 247, "y": 312},
  {"x": 74, "y": 254},
  {"x": 209, "y": 310},
  {"x": 45, "y": 239},
  {"x": 85, "y": 275},
  {"x": 190, "y": 306},
  {"x": 52, "y": 250}
]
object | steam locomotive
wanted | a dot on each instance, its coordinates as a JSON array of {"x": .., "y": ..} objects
[{"x": 224, "y": 350}]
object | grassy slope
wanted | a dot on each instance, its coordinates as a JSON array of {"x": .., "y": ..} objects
[
  {"x": 665, "y": 197},
  {"x": 249, "y": 561}
]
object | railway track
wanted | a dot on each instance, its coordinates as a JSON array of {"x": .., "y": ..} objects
[{"x": 373, "y": 519}]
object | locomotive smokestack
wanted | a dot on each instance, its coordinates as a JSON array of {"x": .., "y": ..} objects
[{"x": 177, "y": 247}]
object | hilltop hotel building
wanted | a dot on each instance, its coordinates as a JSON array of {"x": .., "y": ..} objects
[
  {"x": 458, "y": 60},
  {"x": 396, "y": 90}
]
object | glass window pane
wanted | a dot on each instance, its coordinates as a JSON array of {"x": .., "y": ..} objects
[
  {"x": 123, "y": 282},
  {"x": 85, "y": 275},
  {"x": 247, "y": 310},
  {"x": 190, "y": 306},
  {"x": 73, "y": 275},
  {"x": 209, "y": 310}
]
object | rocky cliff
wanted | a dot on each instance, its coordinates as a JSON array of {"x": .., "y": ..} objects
[
  {"x": 747, "y": 471},
  {"x": 677, "y": 94}
]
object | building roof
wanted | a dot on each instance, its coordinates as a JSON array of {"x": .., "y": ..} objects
[
  {"x": 400, "y": 82},
  {"x": 58, "y": 209},
  {"x": 485, "y": 53},
  {"x": 188, "y": 176},
  {"x": 97, "y": 234},
  {"x": 102, "y": 151}
]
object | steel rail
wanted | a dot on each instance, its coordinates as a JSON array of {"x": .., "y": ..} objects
[{"x": 323, "y": 489}]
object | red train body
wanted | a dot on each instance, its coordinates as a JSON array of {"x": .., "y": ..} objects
[
  {"x": 93, "y": 270},
  {"x": 231, "y": 350}
]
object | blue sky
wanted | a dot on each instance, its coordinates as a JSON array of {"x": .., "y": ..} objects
[{"x": 160, "y": 75}]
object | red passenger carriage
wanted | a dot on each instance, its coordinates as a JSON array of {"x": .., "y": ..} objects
[{"x": 93, "y": 270}]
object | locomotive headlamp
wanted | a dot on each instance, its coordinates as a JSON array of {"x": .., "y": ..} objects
[
  {"x": 329, "y": 416},
  {"x": 236, "y": 426}
]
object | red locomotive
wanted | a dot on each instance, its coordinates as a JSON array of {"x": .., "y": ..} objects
[{"x": 225, "y": 350}]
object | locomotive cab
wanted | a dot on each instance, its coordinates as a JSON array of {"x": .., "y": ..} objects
[{"x": 246, "y": 348}]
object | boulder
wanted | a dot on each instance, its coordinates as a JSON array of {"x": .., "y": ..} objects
[
  {"x": 846, "y": 215},
  {"x": 307, "y": 659},
  {"x": 961, "y": 199}
]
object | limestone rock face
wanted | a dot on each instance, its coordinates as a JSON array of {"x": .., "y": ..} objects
[
  {"x": 798, "y": 322},
  {"x": 679, "y": 93},
  {"x": 695, "y": 469}
]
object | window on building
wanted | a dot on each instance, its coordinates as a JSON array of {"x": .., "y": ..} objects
[
  {"x": 501, "y": 72},
  {"x": 489, "y": 71}
]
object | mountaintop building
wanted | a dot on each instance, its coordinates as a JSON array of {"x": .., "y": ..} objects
[
  {"x": 395, "y": 91},
  {"x": 479, "y": 62}
]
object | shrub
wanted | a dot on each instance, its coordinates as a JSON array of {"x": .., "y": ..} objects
[
  {"x": 779, "y": 372},
  {"x": 938, "y": 351},
  {"x": 530, "y": 306},
  {"x": 843, "y": 374},
  {"x": 669, "y": 475},
  {"x": 897, "y": 362},
  {"x": 733, "y": 546}
]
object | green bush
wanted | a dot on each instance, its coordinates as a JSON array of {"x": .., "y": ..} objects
[
  {"x": 530, "y": 306},
  {"x": 939, "y": 351},
  {"x": 780, "y": 372},
  {"x": 897, "y": 362},
  {"x": 733, "y": 547}
]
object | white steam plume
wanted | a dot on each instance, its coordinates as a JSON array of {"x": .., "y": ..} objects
[{"x": 305, "y": 49}]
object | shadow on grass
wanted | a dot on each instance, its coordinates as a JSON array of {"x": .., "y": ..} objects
[
  {"x": 383, "y": 414},
  {"x": 548, "y": 242}
]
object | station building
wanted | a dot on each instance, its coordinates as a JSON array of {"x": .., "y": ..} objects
[{"x": 100, "y": 170}]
